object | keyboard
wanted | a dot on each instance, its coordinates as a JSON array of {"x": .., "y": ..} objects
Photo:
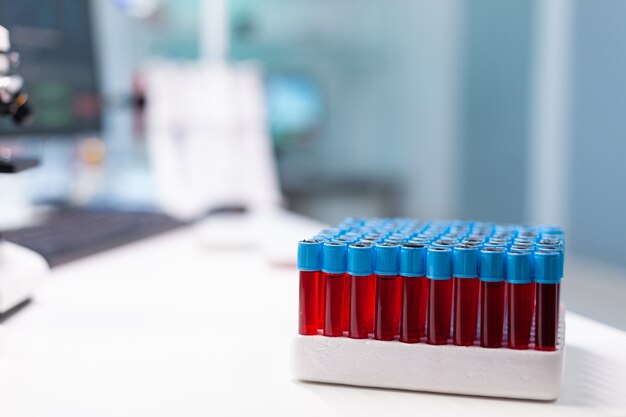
[{"x": 71, "y": 234}]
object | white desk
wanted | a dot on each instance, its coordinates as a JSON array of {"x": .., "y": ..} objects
[{"x": 166, "y": 327}]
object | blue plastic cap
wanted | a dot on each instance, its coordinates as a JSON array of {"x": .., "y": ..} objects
[
  {"x": 439, "y": 263},
  {"x": 361, "y": 259},
  {"x": 559, "y": 250},
  {"x": 547, "y": 267},
  {"x": 519, "y": 267},
  {"x": 413, "y": 259},
  {"x": 310, "y": 254},
  {"x": 444, "y": 243},
  {"x": 420, "y": 240},
  {"x": 465, "y": 260},
  {"x": 492, "y": 264},
  {"x": 387, "y": 258},
  {"x": 522, "y": 247},
  {"x": 495, "y": 245},
  {"x": 334, "y": 260}
]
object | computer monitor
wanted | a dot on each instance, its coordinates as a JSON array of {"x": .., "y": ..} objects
[{"x": 54, "y": 41}]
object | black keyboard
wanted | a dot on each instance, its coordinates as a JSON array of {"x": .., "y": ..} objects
[{"x": 67, "y": 235}]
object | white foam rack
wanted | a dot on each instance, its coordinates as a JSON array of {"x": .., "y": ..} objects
[
  {"x": 3, "y": 345},
  {"x": 502, "y": 372}
]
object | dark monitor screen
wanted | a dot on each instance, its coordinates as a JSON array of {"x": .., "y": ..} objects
[{"x": 54, "y": 41}]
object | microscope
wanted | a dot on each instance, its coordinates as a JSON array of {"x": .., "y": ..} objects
[{"x": 21, "y": 269}]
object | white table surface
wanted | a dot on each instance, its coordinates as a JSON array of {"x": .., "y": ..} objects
[{"x": 168, "y": 327}]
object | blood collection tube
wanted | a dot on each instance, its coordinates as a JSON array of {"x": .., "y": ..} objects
[
  {"x": 492, "y": 275},
  {"x": 466, "y": 294},
  {"x": 521, "y": 298},
  {"x": 348, "y": 239},
  {"x": 554, "y": 246},
  {"x": 360, "y": 273},
  {"x": 334, "y": 260},
  {"x": 473, "y": 240},
  {"x": 547, "y": 287},
  {"x": 309, "y": 264},
  {"x": 388, "y": 291},
  {"x": 444, "y": 243},
  {"x": 414, "y": 292},
  {"x": 439, "y": 274}
]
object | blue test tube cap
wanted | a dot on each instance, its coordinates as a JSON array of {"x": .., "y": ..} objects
[
  {"x": 347, "y": 239},
  {"x": 439, "y": 263},
  {"x": 448, "y": 243},
  {"x": 547, "y": 267},
  {"x": 492, "y": 264},
  {"x": 465, "y": 260},
  {"x": 310, "y": 254},
  {"x": 334, "y": 257},
  {"x": 387, "y": 257},
  {"x": 522, "y": 247},
  {"x": 559, "y": 250},
  {"x": 554, "y": 243},
  {"x": 413, "y": 259},
  {"x": 495, "y": 245},
  {"x": 361, "y": 259},
  {"x": 519, "y": 265}
]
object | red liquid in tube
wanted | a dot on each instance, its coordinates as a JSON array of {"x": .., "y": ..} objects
[
  {"x": 321, "y": 300},
  {"x": 309, "y": 303},
  {"x": 491, "y": 313},
  {"x": 546, "y": 316},
  {"x": 466, "y": 297},
  {"x": 371, "y": 304},
  {"x": 334, "y": 322},
  {"x": 439, "y": 311},
  {"x": 414, "y": 302},
  {"x": 521, "y": 300},
  {"x": 360, "y": 309},
  {"x": 388, "y": 300},
  {"x": 346, "y": 302}
]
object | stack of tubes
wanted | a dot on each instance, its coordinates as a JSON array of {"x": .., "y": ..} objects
[{"x": 461, "y": 283}]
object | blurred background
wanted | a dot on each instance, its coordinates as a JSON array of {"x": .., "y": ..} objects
[{"x": 506, "y": 111}]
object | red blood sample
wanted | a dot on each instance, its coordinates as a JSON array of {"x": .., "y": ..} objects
[
  {"x": 346, "y": 303},
  {"x": 491, "y": 313},
  {"x": 388, "y": 300},
  {"x": 371, "y": 304},
  {"x": 309, "y": 302},
  {"x": 334, "y": 322},
  {"x": 546, "y": 316},
  {"x": 521, "y": 299},
  {"x": 439, "y": 311},
  {"x": 414, "y": 302},
  {"x": 360, "y": 323},
  {"x": 466, "y": 296},
  {"x": 321, "y": 298}
]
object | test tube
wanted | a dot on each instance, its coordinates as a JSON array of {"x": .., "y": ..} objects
[
  {"x": 388, "y": 291},
  {"x": 439, "y": 274},
  {"x": 334, "y": 264},
  {"x": 360, "y": 275},
  {"x": 309, "y": 265},
  {"x": 492, "y": 275},
  {"x": 414, "y": 292},
  {"x": 521, "y": 298},
  {"x": 547, "y": 286},
  {"x": 447, "y": 243},
  {"x": 466, "y": 294}
]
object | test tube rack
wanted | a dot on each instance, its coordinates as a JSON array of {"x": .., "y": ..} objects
[
  {"x": 3, "y": 346},
  {"x": 473, "y": 370},
  {"x": 394, "y": 303}
]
